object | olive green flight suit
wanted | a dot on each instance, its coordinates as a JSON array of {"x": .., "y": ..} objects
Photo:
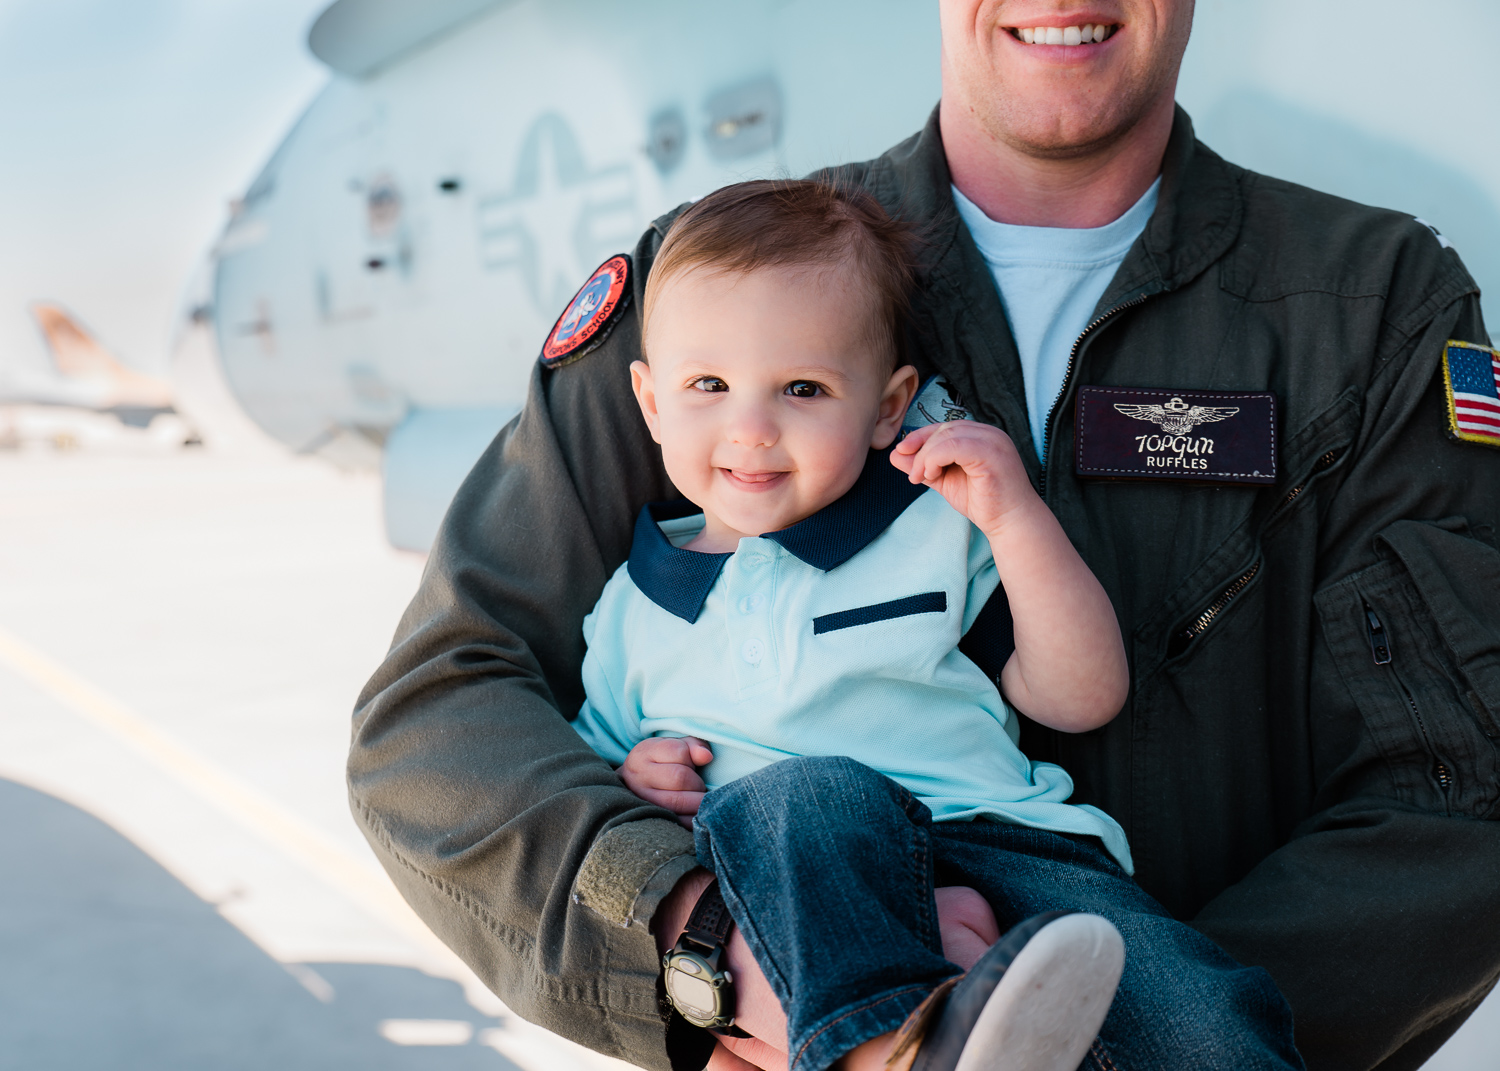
[{"x": 1317, "y": 813}]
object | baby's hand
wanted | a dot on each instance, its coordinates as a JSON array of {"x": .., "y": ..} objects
[
  {"x": 974, "y": 466},
  {"x": 664, "y": 771}
]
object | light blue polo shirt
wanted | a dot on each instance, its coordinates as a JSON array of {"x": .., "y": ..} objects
[{"x": 836, "y": 636}]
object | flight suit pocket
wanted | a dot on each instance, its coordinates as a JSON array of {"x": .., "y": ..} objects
[{"x": 1416, "y": 638}]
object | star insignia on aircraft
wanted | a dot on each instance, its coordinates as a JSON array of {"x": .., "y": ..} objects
[
  {"x": 1176, "y": 417},
  {"x": 559, "y": 215}
]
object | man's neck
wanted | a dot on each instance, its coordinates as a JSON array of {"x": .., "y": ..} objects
[{"x": 1012, "y": 186}]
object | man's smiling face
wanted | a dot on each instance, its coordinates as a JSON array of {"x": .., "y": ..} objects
[
  {"x": 1058, "y": 78},
  {"x": 766, "y": 391}
]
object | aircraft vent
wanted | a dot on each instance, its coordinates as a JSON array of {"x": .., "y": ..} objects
[
  {"x": 666, "y": 143},
  {"x": 744, "y": 119}
]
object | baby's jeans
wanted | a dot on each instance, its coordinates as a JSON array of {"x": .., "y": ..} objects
[{"x": 828, "y": 869}]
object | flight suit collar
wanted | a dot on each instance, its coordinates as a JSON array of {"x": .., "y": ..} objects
[
  {"x": 679, "y": 580},
  {"x": 1198, "y": 214},
  {"x": 1198, "y": 217}
]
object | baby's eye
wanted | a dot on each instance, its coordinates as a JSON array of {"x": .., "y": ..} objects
[
  {"x": 803, "y": 388},
  {"x": 711, "y": 384}
]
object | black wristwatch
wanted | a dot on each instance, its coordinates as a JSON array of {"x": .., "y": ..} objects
[{"x": 697, "y": 985}]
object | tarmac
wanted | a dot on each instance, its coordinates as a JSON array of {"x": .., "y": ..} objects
[{"x": 182, "y": 636}]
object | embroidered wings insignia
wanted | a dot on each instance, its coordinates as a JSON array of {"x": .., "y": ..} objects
[{"x": 1176, "y": 417}]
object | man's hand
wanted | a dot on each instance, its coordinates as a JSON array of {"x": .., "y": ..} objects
[
  {"x": 965, "y": 921},
  {"x": 974, "y": 466},
  {"x": 664, "y": 771}
]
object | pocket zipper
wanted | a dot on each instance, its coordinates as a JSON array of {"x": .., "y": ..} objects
[
  {"x": 1380, "y": 651},
  {"x": 1322, "y": 463},
  {"x": 1201, "y": 623}
]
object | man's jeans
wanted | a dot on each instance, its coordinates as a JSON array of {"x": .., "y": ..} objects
[{"x": 828, "y": 868}]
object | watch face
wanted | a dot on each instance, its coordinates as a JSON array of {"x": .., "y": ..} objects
[{"x": 690, "y": 989}]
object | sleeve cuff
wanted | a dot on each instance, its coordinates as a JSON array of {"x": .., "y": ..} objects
[{"x": 631, "y": 868}]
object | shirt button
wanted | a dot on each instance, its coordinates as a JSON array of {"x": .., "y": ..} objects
[
  {"x": 753, "y": 652},
  {"x": 752, "y": 603}
]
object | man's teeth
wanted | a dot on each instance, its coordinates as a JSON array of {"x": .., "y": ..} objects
[{"x": 1065, "y": 35}]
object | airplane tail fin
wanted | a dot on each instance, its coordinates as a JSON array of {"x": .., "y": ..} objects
[{"x": 79, "y": 355}]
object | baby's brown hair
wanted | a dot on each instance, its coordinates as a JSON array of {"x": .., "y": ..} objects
[{"x": 793, "y": 223}]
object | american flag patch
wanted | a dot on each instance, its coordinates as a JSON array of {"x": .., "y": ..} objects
[{"x": 1472, "y": 375}]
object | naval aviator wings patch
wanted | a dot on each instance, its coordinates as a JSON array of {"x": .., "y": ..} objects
[
  {"x": 591, "y": 315},
  {"x": 1471, "y": 375},
  {"x": 1209, "y": 436}
]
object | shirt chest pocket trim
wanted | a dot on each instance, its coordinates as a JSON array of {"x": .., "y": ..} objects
[{"x": 929, "y": 602}]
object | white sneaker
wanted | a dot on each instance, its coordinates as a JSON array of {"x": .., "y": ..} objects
[{"x": 1033, "y": 1002}]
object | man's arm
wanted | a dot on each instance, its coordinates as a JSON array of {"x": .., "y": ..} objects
[
  {"x": 513, "y": 841},
  {"x": 1380, "y": 920}
]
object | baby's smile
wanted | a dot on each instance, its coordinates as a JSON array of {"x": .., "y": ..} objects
[{"x": 746, "y": 480}]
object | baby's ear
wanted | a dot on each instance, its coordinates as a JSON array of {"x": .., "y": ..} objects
[
  {"x": 900, "y": 389},
  {"x": 644, "y": 386}
]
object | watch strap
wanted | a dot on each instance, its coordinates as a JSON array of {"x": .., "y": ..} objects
[{"x": 710, "y": 922}]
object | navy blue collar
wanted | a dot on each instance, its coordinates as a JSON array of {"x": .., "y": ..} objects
[{"x": 679, "y": 580}]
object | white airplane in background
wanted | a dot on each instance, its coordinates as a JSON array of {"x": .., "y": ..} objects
[
  {"x": 383, "y": 287},
  {"x": 380, "y": 292},
  {"x": 85, "y": 377}
]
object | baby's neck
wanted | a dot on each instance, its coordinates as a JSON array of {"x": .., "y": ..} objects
[
  {"x": 716, "y": 537},
  {"x": 719, "y": 538}
]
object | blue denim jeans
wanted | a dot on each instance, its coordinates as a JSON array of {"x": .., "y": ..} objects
[{"x": 828, "y": 869}]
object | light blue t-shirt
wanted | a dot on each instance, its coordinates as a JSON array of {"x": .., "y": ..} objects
[
  {"x": 1050, "y": 281},
  {"x": 836, "y": 636}
]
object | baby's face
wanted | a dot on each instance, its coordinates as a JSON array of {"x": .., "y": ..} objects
[{"x": 766, "y": 391}]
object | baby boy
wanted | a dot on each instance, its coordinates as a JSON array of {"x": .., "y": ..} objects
[{"x": 779, "y": 657}]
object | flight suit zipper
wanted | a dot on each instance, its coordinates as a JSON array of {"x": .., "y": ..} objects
[
  {"x": 1067, "y": 380},
  {"x": 1380, "y": 650}
]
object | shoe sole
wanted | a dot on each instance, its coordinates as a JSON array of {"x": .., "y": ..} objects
[{"x": 1048, "y": 1007}]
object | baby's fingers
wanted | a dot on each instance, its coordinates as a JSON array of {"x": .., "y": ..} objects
[
  {"x": 665, "y": 749},
  {"x": 928, "y": 464},
  {"x": 699, "y": 753},
  {"x": 672, "y": 777},
  {"x": 682, "y": 804},
  {"x": 911, "y": 443}
]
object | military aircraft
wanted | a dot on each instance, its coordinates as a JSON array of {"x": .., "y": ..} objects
[
  {"x": 381, "y": 290},
  {"x": 383, "y": 287}
]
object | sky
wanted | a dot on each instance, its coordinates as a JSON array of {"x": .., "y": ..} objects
[{"x": 126, "y": 126}]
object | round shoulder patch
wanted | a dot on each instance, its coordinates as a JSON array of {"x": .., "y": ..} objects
[{"x": 590, "y": 314}]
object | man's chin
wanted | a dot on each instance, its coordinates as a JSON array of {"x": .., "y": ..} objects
[{"x": 1069, "y": 134}]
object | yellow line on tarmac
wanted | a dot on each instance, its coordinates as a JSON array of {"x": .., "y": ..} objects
[{"x": 317, "y": 852}]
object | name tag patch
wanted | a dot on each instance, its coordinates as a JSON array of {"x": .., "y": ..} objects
[{"x": 1143, "y": 433}]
